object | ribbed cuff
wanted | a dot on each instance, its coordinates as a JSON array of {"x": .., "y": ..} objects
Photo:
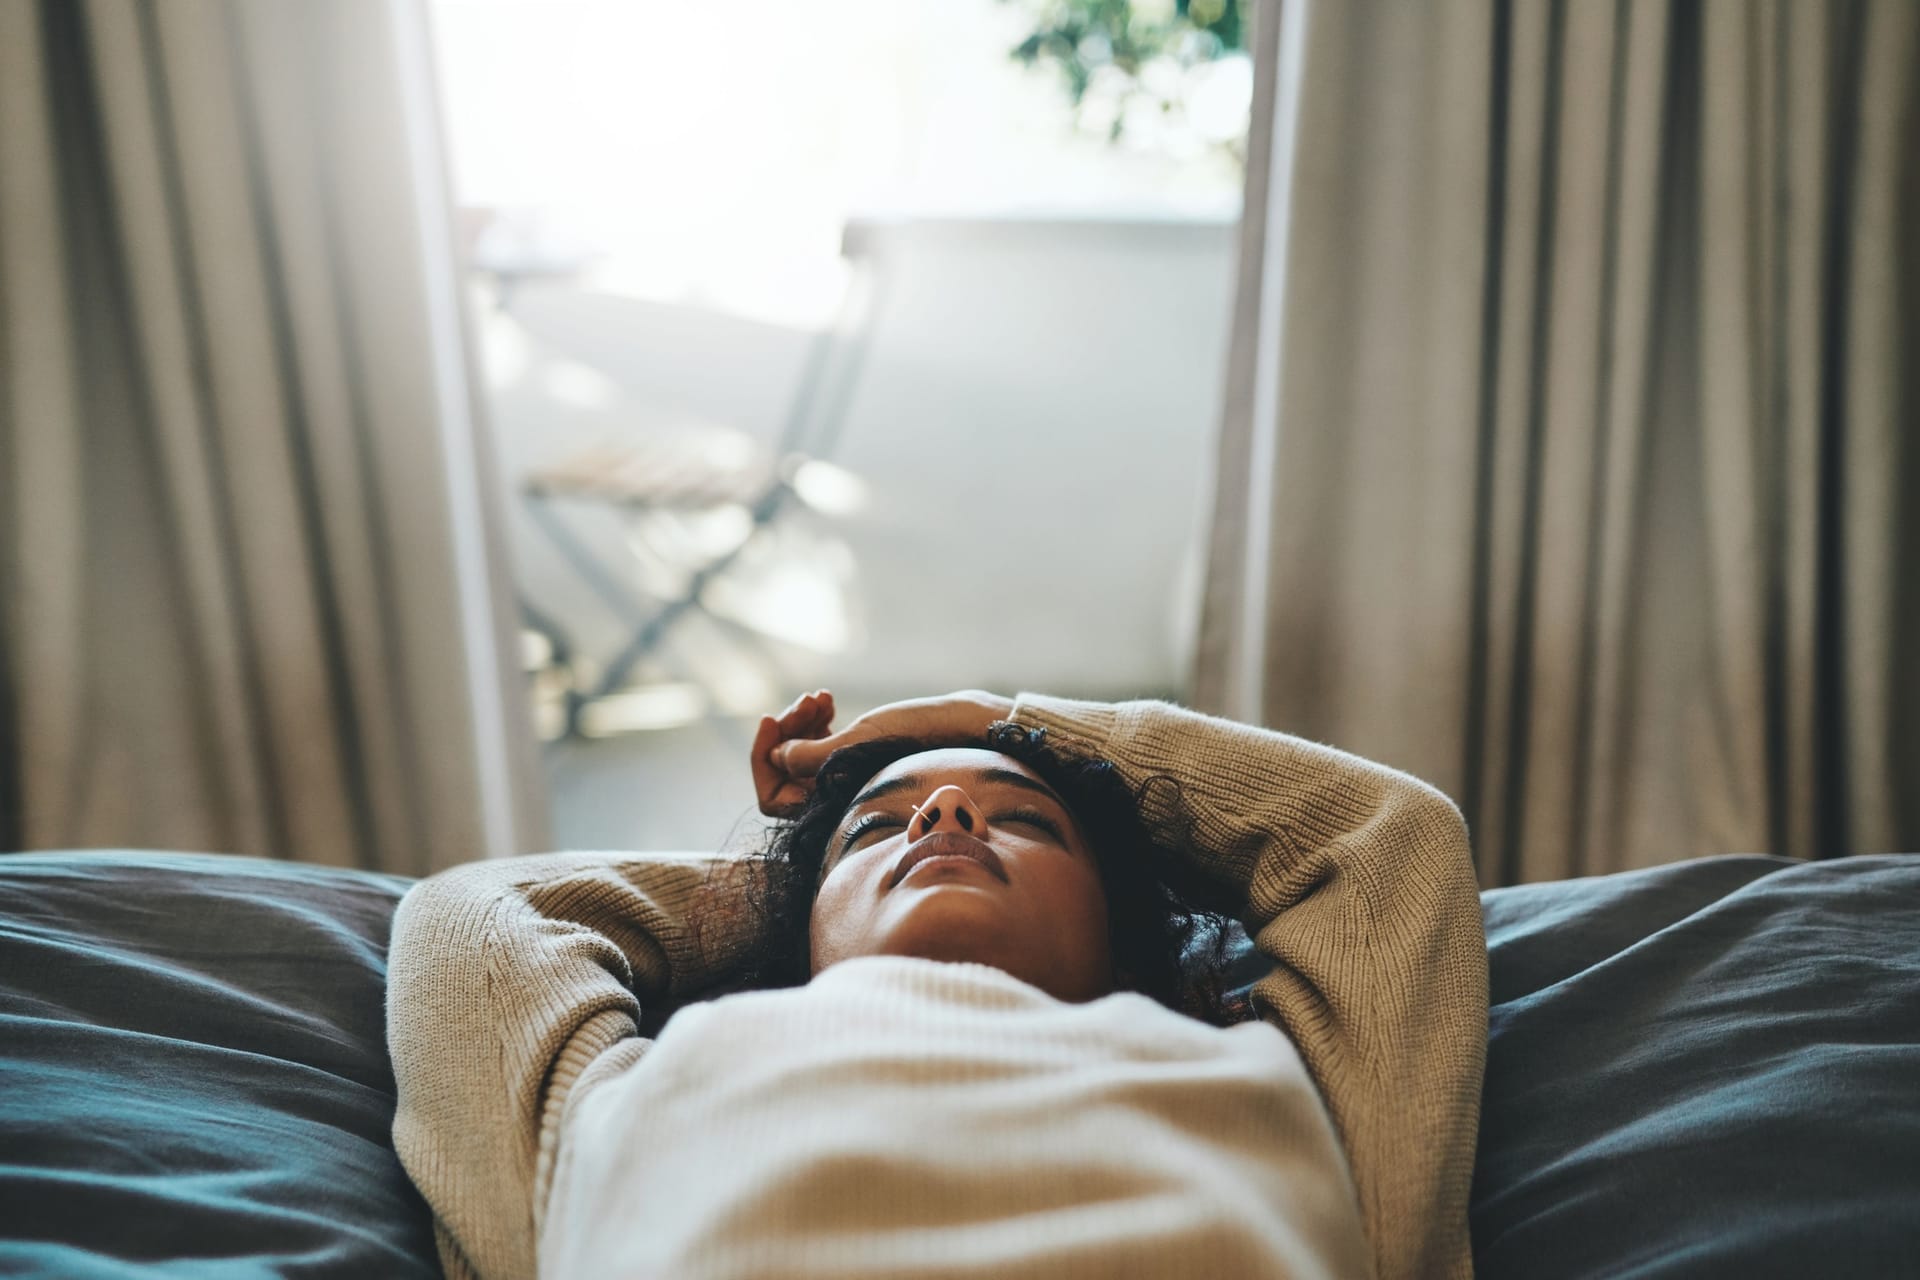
[{"x": 1086, "y": 726}]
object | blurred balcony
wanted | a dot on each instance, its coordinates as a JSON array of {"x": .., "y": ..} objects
[{"x": 1024, "y": 441}]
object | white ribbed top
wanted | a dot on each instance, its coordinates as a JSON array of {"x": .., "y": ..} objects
[{"x": 903, "y": 1118}]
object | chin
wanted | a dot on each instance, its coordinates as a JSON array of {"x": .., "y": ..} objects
[
  {"x": 957, "y": 934},
  {"x": 957, "y": 937}
]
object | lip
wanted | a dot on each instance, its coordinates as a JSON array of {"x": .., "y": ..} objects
[{"x": 946, "y": 844}]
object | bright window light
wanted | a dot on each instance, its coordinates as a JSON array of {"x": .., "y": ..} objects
[{"x": 709, "y": 155}]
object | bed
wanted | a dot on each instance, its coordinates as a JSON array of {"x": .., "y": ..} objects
[{"x": 1710, "y": 1069}]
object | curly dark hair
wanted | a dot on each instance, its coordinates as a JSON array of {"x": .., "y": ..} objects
[{"x": 1165, "y": 945}]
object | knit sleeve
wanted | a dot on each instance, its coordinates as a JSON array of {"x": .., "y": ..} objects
[
  {"x": 1356, "y": 881},
  {"x": 513, "y": 986}
]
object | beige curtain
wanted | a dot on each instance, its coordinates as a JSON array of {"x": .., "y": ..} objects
[
  {"x": 250, "y": 595},
  {"x": 1571, "y": 457}
]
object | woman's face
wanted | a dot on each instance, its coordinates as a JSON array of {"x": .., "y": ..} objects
[{"x": 965, "y": 854}]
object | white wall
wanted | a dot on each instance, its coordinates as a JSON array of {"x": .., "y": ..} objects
[{"x": 1034, "y": 421}]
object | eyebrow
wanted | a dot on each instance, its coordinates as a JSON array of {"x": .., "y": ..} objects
[{"x": 992, "y": 773}]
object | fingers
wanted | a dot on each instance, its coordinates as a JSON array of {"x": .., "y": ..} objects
[
  {"x": 767, "y": 775},
  {"x": 826, "y": 714},
  {"x": 807, "y": 716},
  {"x": 781, "y": 790},
  {"x": 766, "y": 736},
  {"x": 802, "y": 757}
]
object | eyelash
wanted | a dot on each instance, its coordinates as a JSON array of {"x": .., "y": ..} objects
[
  {"x": 865, "y": 825},
  {"x": 1035, "y": 818}
]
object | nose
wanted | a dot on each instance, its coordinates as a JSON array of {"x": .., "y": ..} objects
[{"x": 948, "y": 809}]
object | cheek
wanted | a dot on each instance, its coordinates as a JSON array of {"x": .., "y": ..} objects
[
  {"x": 1079, "y": 947},
  {"x": 1074, "y": 897},
  {"x": 836, "y": 923}
]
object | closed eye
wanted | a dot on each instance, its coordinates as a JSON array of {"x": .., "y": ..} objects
[
  {"x": 1033, "y": 818},
  {"x": 861, "y": 827},
  {"x": 865, "y": 824}
]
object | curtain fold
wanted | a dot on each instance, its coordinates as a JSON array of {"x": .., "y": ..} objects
[
  {"x": 250, "y": 603},
  {"x": 1593, "y": 434}
]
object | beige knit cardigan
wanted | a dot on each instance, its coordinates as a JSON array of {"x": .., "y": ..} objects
[{"x": 513, "y": 983}]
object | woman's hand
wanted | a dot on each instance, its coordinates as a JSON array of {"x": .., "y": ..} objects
[
  {"x": 808, "y": 716},
  {"x": 788, "y": 751}
]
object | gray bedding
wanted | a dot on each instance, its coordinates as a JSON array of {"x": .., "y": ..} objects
[
  {"x": 1707, "y": 1069},
  {"x": 193, "y": 1072}
]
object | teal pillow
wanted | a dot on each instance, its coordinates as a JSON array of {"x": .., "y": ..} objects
[
  {"x": 1710, "y": 1068},
  {"x": 1704, "y": 1069},
  {"x": 193, "y": 1071}
]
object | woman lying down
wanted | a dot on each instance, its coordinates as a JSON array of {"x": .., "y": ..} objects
[{"x": 963, "y": 1018}]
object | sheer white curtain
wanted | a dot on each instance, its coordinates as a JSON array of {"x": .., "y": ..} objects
[
  {"x": 254, "y": 598},
  {"x": 1571, "y": 457}
]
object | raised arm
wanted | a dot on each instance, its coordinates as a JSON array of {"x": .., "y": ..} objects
[
  {"x": 1357, "y": 882},
  {"x": 512, "y": 987}
]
